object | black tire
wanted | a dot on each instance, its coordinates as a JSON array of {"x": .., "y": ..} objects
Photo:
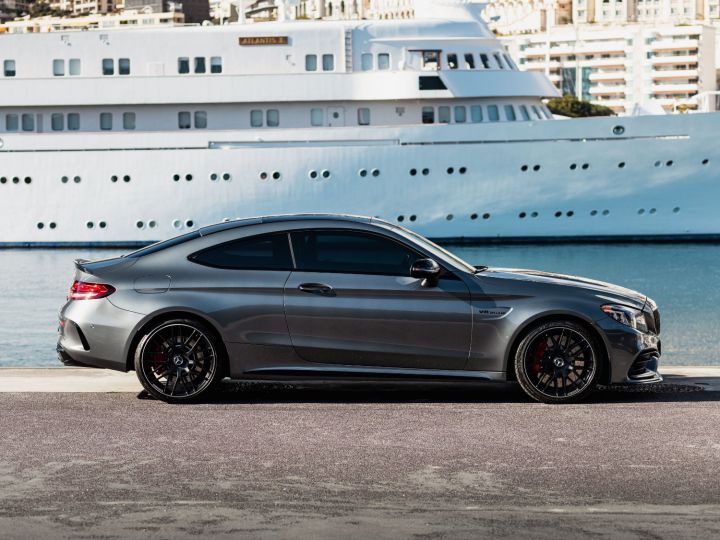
[
  {"x": 179, "y": 361},
  {"x": 559, "y": 362}
]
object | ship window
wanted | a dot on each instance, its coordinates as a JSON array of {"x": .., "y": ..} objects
[
  {"x": 469, "y": 61},
  {"x": 73, "y": 121},
  {"x": 431, "y": 60},
  {"x": 509, "y": 62},
  {"x": 106, "y": 121},
  {"x": 452, "y": 61},
  {"x": 428, "y": 115},
  {"x": 498, "y": 61},
  {"x": 74, "y": 66},
  {"x": 123, "y": 66},
  {"x": 328, "y": 62},
  {"x": 510, "y": 113},
  {"x": 311, "y": 62},
  {"x": 129, "y": 120},
  {"x": 200, "y": 119},
  {"x": 199, "y": 64},
  {"x": 476, "y": 115},
  {"x": 317, "y": 117},
  {"x": 444, "y": 115},
  {"x": 460, "y": 114},
  {"x": 383, "y": 61},
  {"x": 184, "y": 120},
  {"x": 28, "y": 122},
  {"x": 485, "y": 61},
  {"x": 183, "y": 65},
  {"x": 367, "y": 62},
  {"x": 57, "y": 121},
  {"x": 215, "y": 64},
  {"x": 524, "y": 112},
  {"x": 493, "y": 114},
  {"x": 537, "y": 113},
  {"x": 547, "y": 112},
  {"x": 108, "y": 66},
  {"x": 363, "y": 116},
  {"x": 11, "y": 122},
  {"x": 58, "y": 68},
  {"x": 9, "y": 68},
  {"x": 273, "y": 118},
  {"x": 256, "y": 118}
]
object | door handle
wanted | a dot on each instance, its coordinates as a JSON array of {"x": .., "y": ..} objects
[{"x": 317, "y": 288}]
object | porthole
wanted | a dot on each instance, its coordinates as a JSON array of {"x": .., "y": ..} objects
[
  {"x": 669, "y": 163},
  {"x": 450, "y": 170},
  {"x": 449, "y": 217},
  {"x": 401, "y": 218},
  {"x": 16, "y": 180},
  {"x": 534, "y": 214},
  {"x": 573, "y": 166},
  {"x": 52, "y": 225},
  {"x": 594, "y": 213},
  {"x": 177, "y": 224},
  {"x": 524, "y": 168},
  {"x": 486, "y": 216},
  {"x": 462, "y": 170},
  {"x": 705, "y": 161},
  {"x": 536, "y": 168},
  {"x": 188, "y": 177},
  {"x": 413, "y": 217},
  {"x": 413, "y": 172},
  {"x": 28, "y": 180},
  {"x": 113, "y": 178},
  {"x": 263, "y": 176},
  {"x": 152, "y": 224},
  {"x": 618, "y": 130},
  {"x": 226, "y": 177},
  {"x": 89, "y": 224},
  {"x": 425, "y": 172},
  {"x": 570, "y": 213},
  {"x": 40, "y": 225},
  {"x": 176, "y": 177},
  {"x": 641, "y": 211},
  {"x": 3, "y": 180},
  {"x": 76, "y": 179},
  {"x": 126, "y": 178},
  {"x": 375, "y": 173},
  {"x": 522, "y": 215},
  {"x": 102, "y": 224},
  {"x": 658, "y": 163},
  {"x": 276, "y": 175},
  {"x": 326, "y": 173},
  {"x": 558, "y": 214},
  {"x": 676, "y": 210},
  {"x": 585, "y": 166},
  {"x": 189, "y": 223},
  {"x": 363, "y": 173},
  {"x": 311, "y": 174},
  {"x": 653, "y": 210},
  {"x": 140, "y": 224},
  {"x": 621, "y": 165},
  {"x": 605, "y": 212},
  {"x": 473, "y": 216},
  {"x": 64, "y": 179},
  {"x": 213, "y": 177}
]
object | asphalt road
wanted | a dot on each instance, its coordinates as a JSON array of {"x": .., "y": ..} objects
[{"x": 432, "y": 461}]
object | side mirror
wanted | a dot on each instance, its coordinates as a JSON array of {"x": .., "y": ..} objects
[{"x": 427, "y": 270}]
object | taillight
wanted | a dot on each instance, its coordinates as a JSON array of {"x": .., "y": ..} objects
[{"x": 81, "y": 290}]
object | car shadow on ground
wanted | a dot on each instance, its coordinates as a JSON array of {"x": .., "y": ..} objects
[{"x": 244, "y": 392}]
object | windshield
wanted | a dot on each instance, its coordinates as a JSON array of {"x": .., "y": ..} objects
[{"x": 441, "y": 252}]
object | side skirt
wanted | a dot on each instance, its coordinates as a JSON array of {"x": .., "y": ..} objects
[{"x": 361, "y": 372}]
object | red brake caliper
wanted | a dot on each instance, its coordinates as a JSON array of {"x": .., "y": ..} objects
[{"x": 537, "y": 360}]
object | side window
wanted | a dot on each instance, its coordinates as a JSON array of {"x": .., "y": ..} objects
[
  {"x": 476, "y": 115},
  {"x": 12, "y": 122},
  {"x": 108, "y": 66},
  {"x": 183, "y": 65},
  {"x": 269, "y": 252},
  {"x": 9, "y": 68},
  {"x": 215, "y": 64},
  {"x": 469, "y": 61},
  {"x": 273, "y": 117},
  {"x": 524, "y": 112},
  {"x": 123, "y": 66},
  {"x": 452, "y": 61},
  {"x": 444, "y": 114},
  {"x": 200, "y": 119},
  {"x": 58, "y": 68},
  {"x": 328, "y": 62},
  {"x": 383, "y": 61},
  {"x": 428, "y": 115},
  {"x": 509, "y": 62},
  {"x": 498, "y": 61},
  {"x": 311, "y": 62},
  {"x": 430, "y": 60},
  {"x": 28, "y": 122},
  {"x": 363, "y": 116},
  {"x": 57, "y": 121},
  {"x": 460, "y": 114},
  {"x": 256, "y": 118},
  {"x": 129, "y": 120},
  {"x": 367, "y": 62},
  {"x": 493, "y": 113},
  {"x": 510, "y": 113},
  {"x": 74, "y": 67},
  {"x": 73, "y": 121},
  {"x": 184, "y": 120},
  {"x": 199, "y": 64},
  {"x": 106, "y": 121},
  {"x": 351, "y": 252},
  {"x": 485, "y": 61},
  {"x": 317, "y": 117}
]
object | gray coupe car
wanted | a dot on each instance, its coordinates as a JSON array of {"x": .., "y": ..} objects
[{"x": 341, "y": 297}]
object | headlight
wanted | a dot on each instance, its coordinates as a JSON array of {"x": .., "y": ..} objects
[{"x": 634, "y": 318}]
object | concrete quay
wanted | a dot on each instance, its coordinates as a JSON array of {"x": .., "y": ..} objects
[{"x": 82, "y": 455}]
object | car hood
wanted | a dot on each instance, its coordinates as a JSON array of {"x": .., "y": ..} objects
[{"x": 606, "y": 290}]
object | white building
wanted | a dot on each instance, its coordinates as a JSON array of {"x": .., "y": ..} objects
[
  {"x": 623, "y": 65},
  {"x": 126, "y": 19}
]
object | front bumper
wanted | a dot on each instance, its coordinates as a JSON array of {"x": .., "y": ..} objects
[{"x": 634, "y": 356}]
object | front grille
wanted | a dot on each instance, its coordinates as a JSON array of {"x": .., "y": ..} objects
[{"x": 639, "y": 368}]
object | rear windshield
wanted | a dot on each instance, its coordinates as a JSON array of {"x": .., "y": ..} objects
[{"x": 159, "y": 246}]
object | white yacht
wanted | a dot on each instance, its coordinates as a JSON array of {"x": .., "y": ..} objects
[{"x": 111, "y": 137}]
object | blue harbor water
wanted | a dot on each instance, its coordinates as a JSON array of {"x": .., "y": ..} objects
[{"x": 683, "y": 278}]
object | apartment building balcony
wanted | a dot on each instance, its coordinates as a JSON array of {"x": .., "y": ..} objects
[
  {"x": 608, "y": 76},
  {"x": 691, "y": 88},
  {"x": 608, "y": 90},
  {"x": 668, "y": 60},
  {"x": 674, "y": 45},
  {"x": 618, "y": 105},
  {"x": 674, "y": 74}
]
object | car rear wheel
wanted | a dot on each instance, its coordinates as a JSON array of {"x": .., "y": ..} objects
[
  {"x": 178, "y": 361},
  {"x": 558, "y": 362}
]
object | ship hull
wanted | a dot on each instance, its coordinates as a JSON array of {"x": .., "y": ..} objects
[{"x": 602, "y": 179}]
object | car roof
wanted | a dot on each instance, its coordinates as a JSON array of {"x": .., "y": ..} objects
[{"x": 288, "y": 218}]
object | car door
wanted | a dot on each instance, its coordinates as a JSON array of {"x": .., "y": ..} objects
[{"x": 351, "y": 301}]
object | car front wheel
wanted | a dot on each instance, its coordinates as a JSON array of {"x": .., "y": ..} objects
[
  {"x": 558, "y": 362},
  {"x": 178, "y": 361}
]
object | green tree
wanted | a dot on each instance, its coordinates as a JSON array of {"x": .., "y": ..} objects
[{"x": 575, "y": 108}]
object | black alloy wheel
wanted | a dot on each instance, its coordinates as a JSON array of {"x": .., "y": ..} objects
[
  {"x": 558, "y": 362},
  {"x": 178, "y": 361}
]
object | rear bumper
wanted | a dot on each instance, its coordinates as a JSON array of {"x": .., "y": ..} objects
[{"x": 95, "y": 333}]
